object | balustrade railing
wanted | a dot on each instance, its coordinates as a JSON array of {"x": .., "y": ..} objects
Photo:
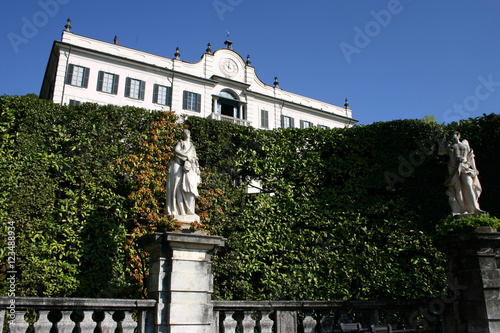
[
  {"x": 66, "y": 314},
  {"x": 238, "y": 121},
  {"x": 321, "y": 316}
]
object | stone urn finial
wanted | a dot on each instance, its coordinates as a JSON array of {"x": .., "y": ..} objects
[{"x": 68, "y": 25}]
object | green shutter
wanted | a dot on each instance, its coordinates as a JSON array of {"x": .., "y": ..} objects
[
  {"x": 69, "y": 74},
  {"x": 127, "y": 87},
  {"x": 198, "y": 102},
  {"x": 282, "y": 121},
  {"x": 115, "y": 83},
  {"x": 169, "y": 96},
  {"x": 292, "y": 124},
  {"x": 85, "y": 82},
  {"x": 142, "y": 90},
  {"x": 184, "y": 99},
  {"x": 100, "y": 78},
  {"x": 155, "y": 93}
]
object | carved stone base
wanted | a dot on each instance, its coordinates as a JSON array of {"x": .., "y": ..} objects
[
  {"x": 465, "y": 215},
  {"x": 180, "y": 279},
  {"x": 471, "y": 304},
  {"x": 186, "y": 220}
]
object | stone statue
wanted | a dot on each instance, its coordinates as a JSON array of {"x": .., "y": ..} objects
[
  {"x": 463, "y": 186},
  {"x": 183, "y": 180}
]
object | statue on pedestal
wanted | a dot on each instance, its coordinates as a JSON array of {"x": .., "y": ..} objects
[
  {"x": 182, "y": 181},
  {"x": 463, "y": 186}
]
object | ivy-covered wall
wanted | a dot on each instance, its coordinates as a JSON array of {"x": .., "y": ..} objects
[
  {"x": 65, "y": 187},
  {"x": 343, "y": 213}
]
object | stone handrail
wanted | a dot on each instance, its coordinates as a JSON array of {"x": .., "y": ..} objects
[
  {"x": 309, "y": 316},
  {"x": 238, "y": 121},
  {"x": 65, "y": 314}
]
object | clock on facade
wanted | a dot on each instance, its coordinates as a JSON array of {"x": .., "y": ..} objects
[{"x": 228, "y": 66}]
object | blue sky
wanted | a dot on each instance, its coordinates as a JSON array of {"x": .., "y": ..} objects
[{"x": 391, "y": 59}]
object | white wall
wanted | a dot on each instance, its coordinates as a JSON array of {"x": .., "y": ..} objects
[{"x": 205, "y": 77}]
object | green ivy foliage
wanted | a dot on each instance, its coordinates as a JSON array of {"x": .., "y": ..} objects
[
  {"x": 346, "y": 213},
  {"x": 343, "y": 213},
  {"x": 451, "y": 224},
  {"x": 64, "y": 190}
]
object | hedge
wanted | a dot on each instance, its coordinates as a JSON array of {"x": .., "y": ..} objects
[{"x": 350, "y": 213}]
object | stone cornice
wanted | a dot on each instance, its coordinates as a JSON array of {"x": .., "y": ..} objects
[{"x": 304, "y": 108}]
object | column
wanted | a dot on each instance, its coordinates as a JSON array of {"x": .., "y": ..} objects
[
  {"x": 180, "y": 279},
  {"x": 474, "y": 282},
  {"x": 240, "y": 111},
  {"x": 215, "y": 114}
]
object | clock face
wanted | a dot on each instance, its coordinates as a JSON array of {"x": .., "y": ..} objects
[{"x": 228, "y": 67}]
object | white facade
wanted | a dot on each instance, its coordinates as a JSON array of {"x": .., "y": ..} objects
[{"x": 222, "y": 85}]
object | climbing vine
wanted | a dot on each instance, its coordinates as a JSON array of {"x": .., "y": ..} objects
[{"x": 334, "y": 214}]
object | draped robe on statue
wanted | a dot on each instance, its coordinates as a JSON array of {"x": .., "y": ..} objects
[
  {"x": 183, "y": 180},
  {"x": 463, "y": 186}
]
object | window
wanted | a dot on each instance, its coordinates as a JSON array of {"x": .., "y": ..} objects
[
  {"x": 264, "y": 118},
  {"x": 323, "y": 127},
  {"x": 162, "y": 95},
  {"x": 107, "y": 82},
  {"x": 287, "y": 122},
  {"x": 77, "y": 76},
  {"x": 305, "y": 124},
  {"x": 74, "y": 102},
  {"x": 238, "y": 181},
  {"x": 191, "y": 101},
  {"x": 135, "y": 88}
]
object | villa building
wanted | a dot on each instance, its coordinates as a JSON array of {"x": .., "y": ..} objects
[{"x": 222, "y": 85}]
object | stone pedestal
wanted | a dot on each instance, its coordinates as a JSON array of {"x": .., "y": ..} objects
[
  {"x": 185, "y": 221},
  {"x": 474, "y": 282},
  {"x": 180, "y": 279}
]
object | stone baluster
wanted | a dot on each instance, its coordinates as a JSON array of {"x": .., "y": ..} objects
[
  {"x": 2, "y": 316},
  {"x": 367, "y": 317},
  {"x": 229, "y": 322},
  {"x": 128, "y": 324},
  {"x": 406, "y": 322},
  {"x": 327, "y": 323},
  {"x": 108, "y": 325},
  {"x": 286, "y": 321},
  {"x": 248, "y": 322},
  {"x": 390, "y": 318},
  {"x": 87, "y": 324},
  {"x": 65, "y": 325},
  {"x": 18, "y": 325},
  {"x": 344, "y": 318},
  {"x": 43, "y": 324},
  {"x": 309, "y": 323},
  {"x": 265, "y": 323}
]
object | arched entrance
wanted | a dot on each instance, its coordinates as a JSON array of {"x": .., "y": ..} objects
[{"x": 227, "y": 106}]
